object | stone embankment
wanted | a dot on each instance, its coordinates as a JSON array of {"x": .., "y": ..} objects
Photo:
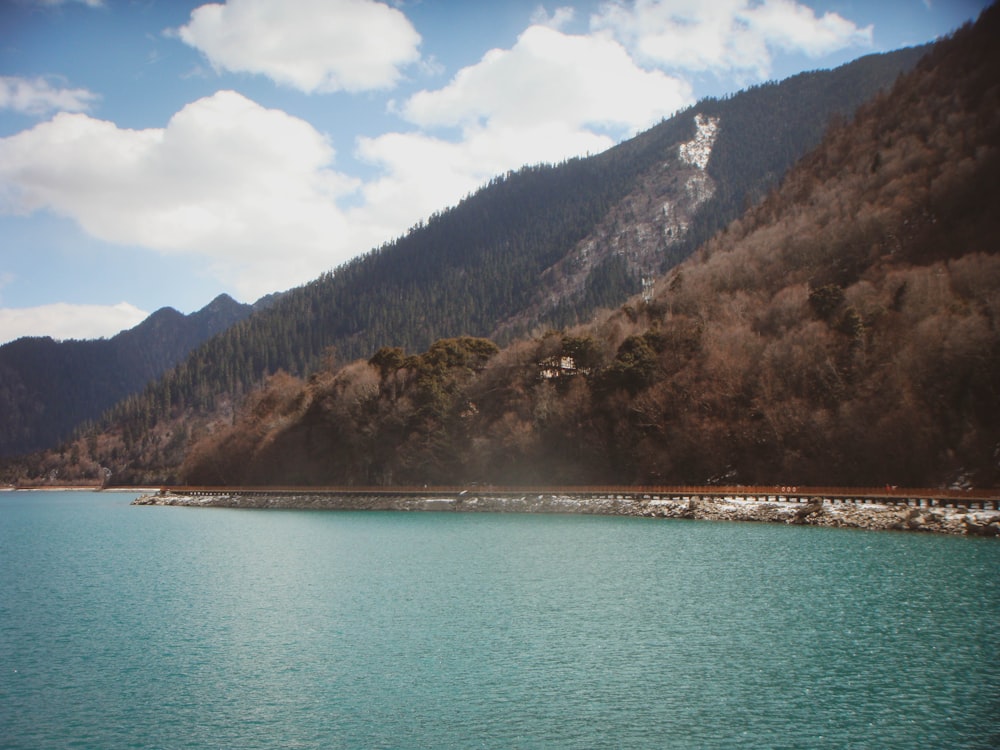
[{"x": 817, "y": 512}]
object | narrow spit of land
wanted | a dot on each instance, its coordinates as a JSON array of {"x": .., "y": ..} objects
[{"x": 947, "y": 512}]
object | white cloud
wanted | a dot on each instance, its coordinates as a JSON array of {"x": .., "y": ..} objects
[
  {"x": 725, "y": 36},
  {"x": 551, "y": 77},
  {"x": 249, "y": 188},
  {"x": 310, "y": 45},
  {"x": 65, "y": 321},
  {"x": 559, "y": 18},
  {"x": 37, "y": 96},
  {"x": 795, "y": 28}
]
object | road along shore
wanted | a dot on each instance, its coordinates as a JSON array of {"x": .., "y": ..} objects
[{"x": 953, "y": 519}]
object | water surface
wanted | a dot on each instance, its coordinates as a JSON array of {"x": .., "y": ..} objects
[{"x": 136, "y": 627}]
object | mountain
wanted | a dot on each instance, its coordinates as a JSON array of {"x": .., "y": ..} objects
[
  {"x": 542, "y": 247},
  {"x": 845, "y": 331},
  {"x": 732, "y": 153},
  {"x": 48, "y": 388}
]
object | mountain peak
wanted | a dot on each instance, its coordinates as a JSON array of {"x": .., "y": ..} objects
[{"x": 221, "y": 301}]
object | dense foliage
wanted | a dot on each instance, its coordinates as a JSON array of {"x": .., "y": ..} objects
[{"x": 846, "y": 330}]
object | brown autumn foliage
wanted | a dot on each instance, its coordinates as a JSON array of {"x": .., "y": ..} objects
[{"x": 845, "y": 331}]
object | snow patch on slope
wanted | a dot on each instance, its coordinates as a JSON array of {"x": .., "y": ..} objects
[{"x": 697, "y": 151}]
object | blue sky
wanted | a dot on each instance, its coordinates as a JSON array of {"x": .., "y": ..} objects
[{"x": 159, "y": 152}]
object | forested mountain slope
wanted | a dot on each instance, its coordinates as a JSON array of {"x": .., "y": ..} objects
[
  {"x": 735, "y": 151},
  {"x": 48, "y": 388},
  {"x": 471, "y": 267},
  {"x": 544, "y": 246},
  {"x": 844, "y": 331}
]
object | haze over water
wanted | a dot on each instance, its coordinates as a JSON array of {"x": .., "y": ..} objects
[{"x": 125, "y": 627}]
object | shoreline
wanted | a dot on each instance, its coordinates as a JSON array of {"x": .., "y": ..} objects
[{"x": 817, "y": 512}]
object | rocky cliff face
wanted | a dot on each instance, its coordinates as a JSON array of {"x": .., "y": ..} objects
[
  {"x": 658, "y": 213},
  {"x": 640, "y": 230}
]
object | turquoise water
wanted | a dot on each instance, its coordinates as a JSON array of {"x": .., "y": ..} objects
[{"x": 147, "y": 627}]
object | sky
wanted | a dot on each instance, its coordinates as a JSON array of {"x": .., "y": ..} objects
[{"x": 158, "y": 153}]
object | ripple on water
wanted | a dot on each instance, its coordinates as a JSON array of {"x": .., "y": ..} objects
[{"x": 139, "y": 627}]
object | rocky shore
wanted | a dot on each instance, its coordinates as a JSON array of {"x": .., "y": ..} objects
[{"x": 876, "y": 517}]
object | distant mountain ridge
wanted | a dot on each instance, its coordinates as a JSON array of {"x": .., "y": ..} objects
[{"x": 48, "y": 388}]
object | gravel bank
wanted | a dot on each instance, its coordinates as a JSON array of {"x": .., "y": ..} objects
[{"x": 874, "y": 517}]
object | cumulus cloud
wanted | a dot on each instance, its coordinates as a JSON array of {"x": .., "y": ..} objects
[
  {"x": 725, "y": 36},
  {"x": 38, "y": 96},
  {"x": 550, "y": 77},
  {"x": 310, "y": 45},
  {"x": 65, "y": 321},
  {"x": 246, "y": 186},
  {"x": 551, "y": 96}
]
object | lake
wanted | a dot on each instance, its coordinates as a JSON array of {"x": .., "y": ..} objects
[{"x": 153, "y": 627}]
